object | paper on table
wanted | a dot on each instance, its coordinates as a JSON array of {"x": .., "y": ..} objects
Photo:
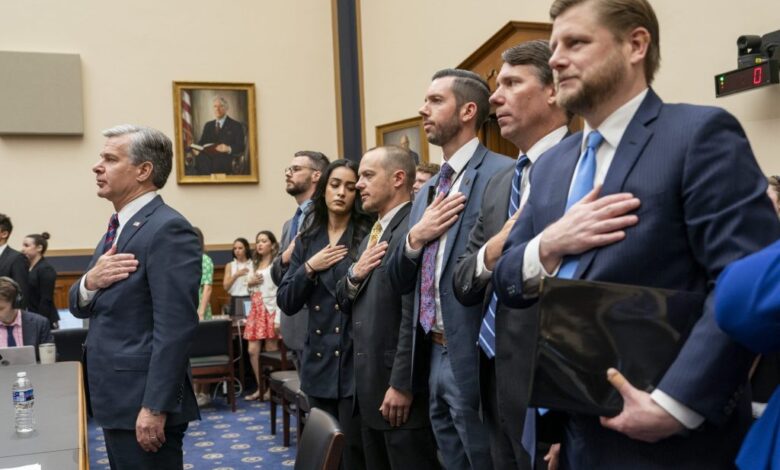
[{"x": 35, "y": 466}]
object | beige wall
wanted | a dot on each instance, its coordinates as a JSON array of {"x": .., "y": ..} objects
[
  {"x": 405, "y": 41},
  {"x": 131, "y": 52}
]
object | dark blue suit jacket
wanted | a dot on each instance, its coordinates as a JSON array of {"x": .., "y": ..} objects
[
  {"x": 702, "y": 201},
  {"x": 141, "y": 328},
  {"x": 461, "y": 323},
  {"x": 326, "y": 365},
  {"x": 35, "y": 330},
  {"x": 747, "y": 305}
]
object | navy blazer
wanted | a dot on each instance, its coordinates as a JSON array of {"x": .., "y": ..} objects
[
  {"x": 702, "y": 201},
  {"x": 13, "y": 264},
  {"x": 231, "y": 134},
  {"x": 461, "y": 323},
  {"x": 141, "y": 328},
  {"x": 747, "y": 305},
  {"x": 326, "y": 365}
]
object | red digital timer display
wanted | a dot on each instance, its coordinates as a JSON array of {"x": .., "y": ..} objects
[{"x": 746, "y": 78}]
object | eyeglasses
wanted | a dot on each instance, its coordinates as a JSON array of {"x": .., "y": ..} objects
[{"x": 297, "y": 168}]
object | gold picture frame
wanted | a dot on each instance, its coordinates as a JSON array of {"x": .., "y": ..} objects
[
  {"x": 216, "y": 133},
  {"x": 412, "y": 128}
]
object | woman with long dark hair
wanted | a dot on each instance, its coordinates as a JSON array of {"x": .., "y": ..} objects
[
  {"x": 263, "y": 320},
  {"x": 41, "y": 278},
  {"x": 325, "y": 249},
  {"x": 236, "y": 276}
]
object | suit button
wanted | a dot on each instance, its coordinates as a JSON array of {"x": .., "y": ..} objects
[
  {"x": 319, "y": 332},
  {"x": 316, "y": 308},
  {"x": 336, "y": 307},
  {"x": 319, "y": 354},
  {"x": 337, "y": 329},
  {"x": 337, "y": 353}
]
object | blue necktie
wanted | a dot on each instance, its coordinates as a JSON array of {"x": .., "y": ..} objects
[
  {"x": 11, "y": 339},
  {"x": 294, "y": 227},
  {"x": 586, "y": 174},
  {"x": 487, "y": 332}
]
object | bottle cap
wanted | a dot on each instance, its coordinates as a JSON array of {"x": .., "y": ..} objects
[{"x": 21, "y": 374}]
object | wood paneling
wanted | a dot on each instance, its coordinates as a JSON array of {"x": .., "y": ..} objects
[{"x": 66, "y": 279}]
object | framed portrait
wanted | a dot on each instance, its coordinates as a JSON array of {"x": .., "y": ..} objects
[
  {"x": 216, "y": 132},
  {"x": 407, "y": 133}
]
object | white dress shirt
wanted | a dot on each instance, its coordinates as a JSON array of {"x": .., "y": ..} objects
[
  {"x": 612, "y": 129},
  {"x": 542, "y": 145},
  {"x": 458, "y": 162},
  {"x": 124, "y": 215},
  {"x": 2, "y": 248}
]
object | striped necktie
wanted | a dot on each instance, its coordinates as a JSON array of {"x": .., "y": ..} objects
[
  {"x": 113, "y": 225},
  {"x": 487, "y": 332},
  {"x": 428, "y": 275},
  {"x": 583, "y": 184}
]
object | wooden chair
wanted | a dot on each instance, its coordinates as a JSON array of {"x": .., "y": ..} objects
[
  {"x": 322, "y": 443},
  {"x": 211, "y": 356},
  {"x": 302, "y": 409},
  {"x": 284, "y": 388},
  {"x": 271, "y": 361}
]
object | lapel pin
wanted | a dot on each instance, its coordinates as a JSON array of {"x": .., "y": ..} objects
[{"x": 136, "y": 224}]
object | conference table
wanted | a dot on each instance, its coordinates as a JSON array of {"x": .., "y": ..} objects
[{"x": 59, "y": 441}]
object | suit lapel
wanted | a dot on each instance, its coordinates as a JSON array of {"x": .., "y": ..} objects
[
  {"x": 626, "y": 155},
  {"x": 470, "y": 174},
  {"x": 134, "y": 225},
  {"x": 387, "y": 236},
  {"x": 331, "y": 276}
]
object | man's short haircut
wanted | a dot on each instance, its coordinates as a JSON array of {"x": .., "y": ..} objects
[
  {"x": 398, "y": 158},
  {"x": 318, "y": 159},
  {"x": 468, "y": 87},
  {"x": 222, "y": 101},
  {"x": 430, "y": 168},
  {"x": 5, "y": 224},
  {"x": 8, "y": 290},
  {"x": 147, "y": 145},
  {"x": 774, "y": 183},
  {"x": 534, "y": 53},
  {"x": 621, "y": 17}
]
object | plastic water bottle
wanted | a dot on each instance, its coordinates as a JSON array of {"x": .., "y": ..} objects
[{"x": 24, "y": 399}]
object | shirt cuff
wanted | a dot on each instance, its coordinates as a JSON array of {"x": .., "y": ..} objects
[
  {"x": 689, "y": 418},
  {"x": 411, "y": 252},
  {"x": 85, "y": 295},
  {"x": 482, "y": 272},
  {"x": 351, "y": 290}
]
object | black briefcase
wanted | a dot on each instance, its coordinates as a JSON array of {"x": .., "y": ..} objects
[{"x": 586, "y": 327}]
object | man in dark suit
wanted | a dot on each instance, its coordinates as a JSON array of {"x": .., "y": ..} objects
[
  {"x": 392, "y": 404},
  {"x": 140, "y": 293},
  {"x": 649, "y": 194},
  {"x": 20, "y": 328},
  {"x": 456, "y": 105},
  {"x": 13, "y": 264},
  {"x": 301, "y": 179},
  {"x": 529, "y": 118},
  {"x": 226, "y": 138}
]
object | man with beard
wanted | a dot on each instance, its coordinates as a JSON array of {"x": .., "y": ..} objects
[
  {"x": 399, "y": 436},
  {"x": 529, "y": 118},
  {"x": 301, "y": 179},
  {"x": 456, "y": 105},
  {"x": 648, "y": 194}
]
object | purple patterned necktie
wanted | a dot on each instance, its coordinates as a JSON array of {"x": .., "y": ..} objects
[
  {"x": 428, "y": 287},
  {"x": 113, "y": 224}
]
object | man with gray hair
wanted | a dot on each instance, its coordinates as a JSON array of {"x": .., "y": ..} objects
[
  {"x": 140, "y": 293},
  {"x": 221, "y": 142}
]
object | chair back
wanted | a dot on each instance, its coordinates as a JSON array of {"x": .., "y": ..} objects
[
  {"x": 70, "y": 343},
  {"x": 213, "y": 337},
  {"x": 321, "y": 444}
]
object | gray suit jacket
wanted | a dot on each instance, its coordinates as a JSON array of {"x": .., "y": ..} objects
[
  {"x": 35, "y": 329},
  {"x": 293, "y": 325}
]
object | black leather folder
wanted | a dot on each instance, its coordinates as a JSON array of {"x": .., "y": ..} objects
[{"x": 586, "y": 327}]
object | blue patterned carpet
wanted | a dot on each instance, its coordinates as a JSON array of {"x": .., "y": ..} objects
[{"x": 222, "y": 440}]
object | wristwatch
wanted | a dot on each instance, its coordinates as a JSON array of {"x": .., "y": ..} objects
[{"x": 351, "y": 276}]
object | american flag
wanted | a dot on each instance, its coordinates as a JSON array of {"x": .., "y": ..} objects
[{"x": 186, "y": 119}]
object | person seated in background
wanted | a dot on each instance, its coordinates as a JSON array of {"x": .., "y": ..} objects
[
  {"x": 424, "y": 172},
  {"x": 206, "y": 279},
  {"x": 19, "y": 327},
  {"x": 41, "y": 278},
  {"x": 747, "y": 307}
]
